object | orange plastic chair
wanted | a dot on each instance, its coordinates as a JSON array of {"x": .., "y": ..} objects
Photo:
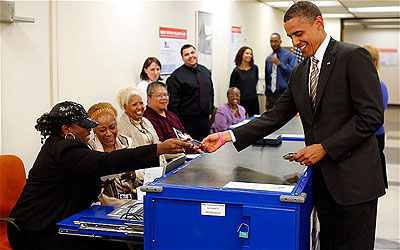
[{"x": 12, "y": 181}]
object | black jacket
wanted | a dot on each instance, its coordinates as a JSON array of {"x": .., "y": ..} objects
[
  {"x": 65, "y": 179},
  {"x": 348, "y": 111},
  {"x": 185, "y": 91}
]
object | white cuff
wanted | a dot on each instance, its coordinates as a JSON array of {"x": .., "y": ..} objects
[{"x": 232, "y": 135}]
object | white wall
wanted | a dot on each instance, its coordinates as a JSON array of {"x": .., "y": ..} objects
[
  {"x": 332, "y": 27},
  {"x": 86, "y": 51},
  {"x": 25, "y": 80},
  {"x": 381, "y": 39}
]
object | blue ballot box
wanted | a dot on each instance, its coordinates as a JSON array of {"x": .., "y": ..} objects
[{"x": 253, "y": 199}]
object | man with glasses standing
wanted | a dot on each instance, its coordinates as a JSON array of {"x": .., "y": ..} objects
[
  {"x": 156, "y": 111},
  {"x": 192, "y": 94}
]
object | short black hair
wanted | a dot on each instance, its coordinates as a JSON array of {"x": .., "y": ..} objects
[
  {"x": 303, "y": 9},
  {"x": 276, "y": 34},
  {"x": 185, "y": 47}
]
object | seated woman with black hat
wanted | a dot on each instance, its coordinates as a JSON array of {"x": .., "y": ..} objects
[{"x": 65, "y": 177}]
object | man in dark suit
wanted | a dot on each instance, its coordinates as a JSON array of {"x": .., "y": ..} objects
[{"x": 336, "y": 91}]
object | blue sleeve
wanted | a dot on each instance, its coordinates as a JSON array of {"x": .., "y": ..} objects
[
  {"x": 385, "y": 95},
  {"x": 289, "y": 62}
]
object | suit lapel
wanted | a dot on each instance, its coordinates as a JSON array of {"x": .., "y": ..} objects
[{"x": 326, "y": 68}]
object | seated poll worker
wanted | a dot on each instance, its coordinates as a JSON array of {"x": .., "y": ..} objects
[
  {"x": 132, "y": 123},
  {"x": 115, "y": 188},
  {"x": 229, "y": 113},
  {"x": 156, "y": 112},
  {"x": 336, "y": 90},
  {"x": 65, "y": 178}
]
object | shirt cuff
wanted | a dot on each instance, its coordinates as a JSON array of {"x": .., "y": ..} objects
[{"x": 232, "y": 135}]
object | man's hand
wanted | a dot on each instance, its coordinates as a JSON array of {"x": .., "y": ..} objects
[
  {"x": 309, "y": 155},
  {"x": 172, "y": 146},
  {"x": 274, "y": 59},
  {"x": 213, "y": 142}
]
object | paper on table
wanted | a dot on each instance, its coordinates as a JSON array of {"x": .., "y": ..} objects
[
  {"x": 259, "y": 186},
  {"x": 150, "y": 174}
]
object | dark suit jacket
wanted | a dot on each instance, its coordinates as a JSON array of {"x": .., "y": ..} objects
[
  {"x": 348, "y": 112},
  {"x": 65, "y": 179}
]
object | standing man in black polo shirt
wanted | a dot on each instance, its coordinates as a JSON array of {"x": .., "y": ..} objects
[{"x": 192, "y": 94}]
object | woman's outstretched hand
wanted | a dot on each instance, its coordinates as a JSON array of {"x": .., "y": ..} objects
[{"x": 172, "y": 146}]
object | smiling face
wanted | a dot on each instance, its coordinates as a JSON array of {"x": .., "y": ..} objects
[
  {"x": 159, "y": 100},
  {"x": 234, "y": 97},
  {"x": 306, "y": 34},
  {"x": 153, "y": 71},
  {"x": 247, "y": 56},
  {"x": 135, "y": 107},
  {"x": 189, "y": 57},
  {"x": 106, "y": 131}
]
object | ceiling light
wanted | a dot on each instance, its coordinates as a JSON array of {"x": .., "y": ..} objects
[
  {"x": 384, "y": 26},
  {"x": 376, "y": 9},
  {"x": 326, "y": 3},
  {"x": 381, "y": 20},
  {"x": 338, "y": 15},
  {"x": 280, "y": 4}
]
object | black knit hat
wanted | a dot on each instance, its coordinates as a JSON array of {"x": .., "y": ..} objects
[{"x": 72, "y": 112}]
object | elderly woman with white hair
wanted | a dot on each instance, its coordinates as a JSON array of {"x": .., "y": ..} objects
[{"x": 132, "y": 123}]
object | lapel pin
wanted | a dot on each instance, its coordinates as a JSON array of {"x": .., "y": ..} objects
[{"x": 328, "y": 63}]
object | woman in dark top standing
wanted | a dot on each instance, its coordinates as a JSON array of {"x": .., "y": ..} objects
[
  {"x": 65, "y": 177},
  {"x": 245, "y": 78}
]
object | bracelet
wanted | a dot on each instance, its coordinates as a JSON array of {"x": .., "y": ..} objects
[{"x": 221, "y": 138}]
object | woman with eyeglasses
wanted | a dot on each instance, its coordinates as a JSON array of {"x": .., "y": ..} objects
[
  {"x": 245, "y": 77},
  {"x": 229, "y": 113},
  {"x": 132, "y": 123}
]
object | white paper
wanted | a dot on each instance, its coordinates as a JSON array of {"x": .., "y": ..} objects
[
  {"x": 239, "y": 124},
  {"x": 192, "y": 156},
  {"x": 150, "y": 174},
  {"x": 259, "y": 186},
  {"x": 213, "y": 209}
]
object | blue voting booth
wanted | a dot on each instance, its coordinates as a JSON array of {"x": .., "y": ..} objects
[{"x": 253, "y": 199}]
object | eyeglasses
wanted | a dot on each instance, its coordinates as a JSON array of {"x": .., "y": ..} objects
[{"x": 159, "y": 96}]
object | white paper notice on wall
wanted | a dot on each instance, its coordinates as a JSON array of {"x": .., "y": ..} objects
[
  {"x": 212, "y": 209},
  {"x": 388, "y": 57}
]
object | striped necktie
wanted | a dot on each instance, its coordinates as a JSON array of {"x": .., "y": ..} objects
[{"x": 314, "y": 80}]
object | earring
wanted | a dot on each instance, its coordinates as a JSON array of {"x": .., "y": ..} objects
[{"x": 71, "y": 134}]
